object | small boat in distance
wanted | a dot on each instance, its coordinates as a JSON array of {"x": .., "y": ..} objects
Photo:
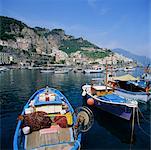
[
  {"x": 105, "y": 98},
  {"x": 98, "y": 70},
  {"x": 129, "y": 69},
  {"x": 3, "y": 69},
  {"x": 47, "y": 71},
  {"x": 48, "y": 121},
  {"x": 61, "y": 71}
]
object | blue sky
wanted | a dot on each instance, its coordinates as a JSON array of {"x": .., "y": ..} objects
[{"x": 107, "y": 23}]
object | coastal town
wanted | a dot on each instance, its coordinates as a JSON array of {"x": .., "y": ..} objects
[{"x": 39, "y": 47}]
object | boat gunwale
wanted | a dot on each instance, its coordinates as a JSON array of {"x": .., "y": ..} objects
[
  {"x": 115, "y": 103},
  {"x": 130, "y": 92}
]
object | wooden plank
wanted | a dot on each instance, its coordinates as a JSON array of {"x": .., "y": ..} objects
[
  {"x": 35, "y": 140},
  {"x": 64, "y": 135}
]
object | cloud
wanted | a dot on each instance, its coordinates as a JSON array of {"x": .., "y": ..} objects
[
  {"x": 92, "y": 3},
  {"x": 103, "y": 11}
]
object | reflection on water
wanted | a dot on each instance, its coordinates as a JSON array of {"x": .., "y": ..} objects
[{"x": 16, "y": 86}]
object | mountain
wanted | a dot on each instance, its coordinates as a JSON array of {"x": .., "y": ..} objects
[
  {"x": 141, "y": 59},
  {"x": 19, "y": 37},
  {"x": 42, "y": 46}
]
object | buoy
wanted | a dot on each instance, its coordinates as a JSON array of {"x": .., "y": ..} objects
[{"x": 90, "y": 101}]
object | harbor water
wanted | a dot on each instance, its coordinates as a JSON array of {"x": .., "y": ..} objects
[{"x": 107, "y": 132}]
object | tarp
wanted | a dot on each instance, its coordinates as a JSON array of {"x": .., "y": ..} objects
[
  {"x": 127, "y": 77},
  {"x": 113, "y": 98}
]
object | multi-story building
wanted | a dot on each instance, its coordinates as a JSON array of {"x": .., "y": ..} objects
[{"x": 6, "y": 58}]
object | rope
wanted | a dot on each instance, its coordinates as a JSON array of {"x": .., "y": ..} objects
[
  {"x": 133, "y": 123},
  {"x": 140, "y": 125},
  {"x": 142, "y": 115}
]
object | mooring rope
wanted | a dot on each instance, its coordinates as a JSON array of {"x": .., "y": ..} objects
[
  {"x": 133, "y": 123},
  {"x": 143, "y": 115},
  {"x": 140, "y": 125}
]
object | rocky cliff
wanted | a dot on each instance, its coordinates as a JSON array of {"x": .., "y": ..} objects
[{"x": 40, "y": 43}]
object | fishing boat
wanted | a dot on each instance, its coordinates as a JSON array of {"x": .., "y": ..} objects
[
  {"x": 63, "y": 71},
  {"x": 103, "y": 97},
  {"x": 130, "y": 87},
  {"x": 48, "y": 121}
]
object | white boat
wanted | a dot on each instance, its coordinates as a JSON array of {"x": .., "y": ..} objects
[
  {"x": 63, "y": 71},
  {"x": 127, "y": 69},
  {"x": 2, "y": 69},
  {"x": 47, "y": 71},
  {"x": 106, "y": 99},
  {"x": 93, "y": 71}
]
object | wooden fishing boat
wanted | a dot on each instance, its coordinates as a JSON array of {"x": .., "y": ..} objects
[
  {"x": 48, "y": 121},
  {"x": 130, "y": 87},
  {"x": 106, "y": 99}
]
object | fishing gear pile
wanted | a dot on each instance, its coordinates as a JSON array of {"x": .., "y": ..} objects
[{"x": 36, "y": 121}]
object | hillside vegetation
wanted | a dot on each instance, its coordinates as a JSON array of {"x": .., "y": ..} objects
[
  {"x": 10, "y": 28},
  {"x": 73, "y": 45}
]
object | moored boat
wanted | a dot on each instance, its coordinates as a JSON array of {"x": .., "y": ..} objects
[
  {"x": 129, "y": 69},
  {"x": 130, "y": 87},
  {"x": 93, "y": 71},
  {"x": 47, "y": 71},
  {"x": 106, "y": 99},
  {"x": 63, "y": 71},
  {"x": 48, "y": 121}
]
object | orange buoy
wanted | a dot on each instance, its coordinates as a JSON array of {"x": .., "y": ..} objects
[{"x": 90, "y": 101}]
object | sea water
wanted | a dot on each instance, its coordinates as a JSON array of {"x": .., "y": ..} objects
[{"x": 107, "y": 132}]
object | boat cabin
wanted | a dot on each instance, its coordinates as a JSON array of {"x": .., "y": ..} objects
[{"x": 98, "y": 89}]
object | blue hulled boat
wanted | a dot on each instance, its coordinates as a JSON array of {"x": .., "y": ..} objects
[
  {"x": 48, "y": 121},
  {"x": 105, "y": 98}
]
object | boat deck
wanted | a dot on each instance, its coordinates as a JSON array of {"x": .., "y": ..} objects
[{"x": 60, "y": 139}]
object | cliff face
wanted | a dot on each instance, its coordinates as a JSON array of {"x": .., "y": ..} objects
[{"x": 17, "y": 35}]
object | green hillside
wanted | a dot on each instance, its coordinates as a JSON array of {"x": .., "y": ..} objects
[
  {"x": 7, "y": 25},
  {"x": 73, "y": 45}
]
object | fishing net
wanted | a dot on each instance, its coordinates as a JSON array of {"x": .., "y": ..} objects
[{"x": 37, "y": 120}]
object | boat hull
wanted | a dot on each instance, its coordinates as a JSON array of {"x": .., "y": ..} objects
[
  {"x": 139, "y": 96},
  {"x": 92, "y": 71},
  {"x": 47, "y": 71},
  {"x": 121, "y": 111},
  {"x": 61, "y": 72}
]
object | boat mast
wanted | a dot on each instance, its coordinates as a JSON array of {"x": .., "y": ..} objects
[
  {"x": 111, "y": 65},
  {"x": 106, "y": 75}
]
